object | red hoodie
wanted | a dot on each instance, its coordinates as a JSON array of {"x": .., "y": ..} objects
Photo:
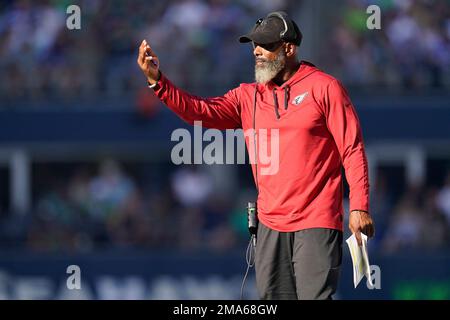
[{"x": 319, "y": 132}]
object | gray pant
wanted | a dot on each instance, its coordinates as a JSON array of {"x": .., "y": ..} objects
[{"x": 302, "y": 265}]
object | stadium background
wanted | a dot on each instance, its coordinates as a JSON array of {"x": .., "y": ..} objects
[{"x": 85, "y": 171}]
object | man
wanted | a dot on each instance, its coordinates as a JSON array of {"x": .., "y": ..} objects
[{"x": 299, "y": 248}]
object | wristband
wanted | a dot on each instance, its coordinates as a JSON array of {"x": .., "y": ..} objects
[{"x": 151, "y": 86}]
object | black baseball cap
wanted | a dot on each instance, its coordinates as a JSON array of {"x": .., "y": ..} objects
[{"x": 276, "y": 26}]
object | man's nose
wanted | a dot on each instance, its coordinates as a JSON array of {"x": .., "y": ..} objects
[{"x": 257, "y": 51}]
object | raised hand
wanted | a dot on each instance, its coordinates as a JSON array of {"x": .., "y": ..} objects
[{"x": 148, "y": 62}]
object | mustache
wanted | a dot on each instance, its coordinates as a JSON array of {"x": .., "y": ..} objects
[{"x": 261, "y": 60}]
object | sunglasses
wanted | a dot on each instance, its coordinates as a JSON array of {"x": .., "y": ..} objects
[{"x": 268, "y": 46}]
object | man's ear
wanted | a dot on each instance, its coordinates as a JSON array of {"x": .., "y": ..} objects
[{"x": 290, "y": 49}]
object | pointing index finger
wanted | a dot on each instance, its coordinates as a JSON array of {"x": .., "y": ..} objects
[{"x": 142, "y": 52}]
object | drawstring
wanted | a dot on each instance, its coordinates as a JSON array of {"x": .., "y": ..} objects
[
  {"x": 285, "y": 98},
  {"x": 275, "y": 103},
  {"x": 254, "y": 107}
]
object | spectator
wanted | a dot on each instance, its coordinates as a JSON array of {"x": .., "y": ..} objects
[
  {"x": 436, "y": 230},
  {"x": 443, "y": 198},
  {"x": 191, "y": 186},
  {"x": 110, "y": 190},
  {"x": 405, "y": 227}
]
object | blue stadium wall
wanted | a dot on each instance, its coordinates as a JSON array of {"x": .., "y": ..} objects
[
  {"x": 163, "y": 275},
  {"x": 423, "y": 119}
]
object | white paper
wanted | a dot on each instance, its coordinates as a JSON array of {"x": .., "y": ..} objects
[{"x": 360, "y": 259}]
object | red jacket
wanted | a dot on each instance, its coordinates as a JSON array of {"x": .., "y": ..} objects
[{"x": 319, "y": 132}]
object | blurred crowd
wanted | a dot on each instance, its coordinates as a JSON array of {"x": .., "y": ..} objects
[
  {"x": 112, "y": 205},
  {"x": 411, "y": 50},
  {"x": 196, "y": 40},
  {"x": 197, "y": 44},
  {"x": 417, "y": 218},
  {"x": 87, "y": 207}
]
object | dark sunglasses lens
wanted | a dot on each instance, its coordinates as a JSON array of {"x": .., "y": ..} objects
[{"x": 271, "y": 46}]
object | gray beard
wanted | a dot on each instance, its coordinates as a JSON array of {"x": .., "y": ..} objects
[{"x": 269, "y": 69}]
